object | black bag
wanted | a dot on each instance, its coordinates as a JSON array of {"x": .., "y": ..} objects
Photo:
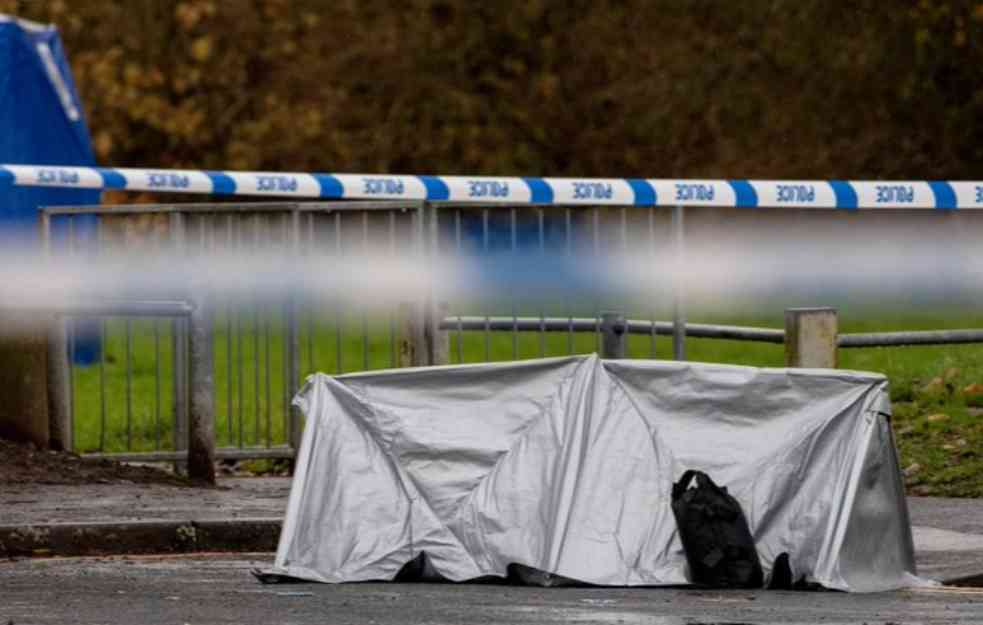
[{"x": 715, "y": 535}]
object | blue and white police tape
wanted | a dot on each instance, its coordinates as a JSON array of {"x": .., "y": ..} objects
[{"x": 615, "y": 191}]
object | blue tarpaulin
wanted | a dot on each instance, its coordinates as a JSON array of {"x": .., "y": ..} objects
[{"x": 41, "y": 122}]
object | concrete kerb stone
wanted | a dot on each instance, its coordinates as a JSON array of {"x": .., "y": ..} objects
[
  {"x": 138, "y": 537},
  {"x": 242, "y": 535}
]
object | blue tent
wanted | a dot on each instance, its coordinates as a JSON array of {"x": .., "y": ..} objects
[{"x": 41, "y": 123}]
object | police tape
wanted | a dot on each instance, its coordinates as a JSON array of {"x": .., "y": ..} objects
[{"x": 942, "y": 195}]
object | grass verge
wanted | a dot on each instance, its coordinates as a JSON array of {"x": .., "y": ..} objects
[{"x": 937, "y": 390}]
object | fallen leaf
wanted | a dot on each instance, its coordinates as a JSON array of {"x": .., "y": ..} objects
[
  {"x": 935, "y": 387},
  {"x": 973, "y": 390},
  {"x": 937, "y": 417}
]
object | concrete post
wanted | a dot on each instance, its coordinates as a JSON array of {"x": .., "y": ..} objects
[
  {"x": 613, "y": 335},
  {"x": 411, "y": 336},
  {"x": 59, "y": 386},
  {"x": 810, "y": 337},
  {"x": 201, "y": 430}
]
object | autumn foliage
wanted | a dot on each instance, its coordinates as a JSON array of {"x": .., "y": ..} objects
[{"x": 661, "y": 88}]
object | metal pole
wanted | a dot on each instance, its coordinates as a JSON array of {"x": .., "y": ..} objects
[
  {"x": 613, "y": 335},
  {"x": 457, "y": 251},
  {"x": 45, "y": 230},
  {"x": 484, "y": 250},
  {"x": 103, "y": 329},
  {"x": 179, "y": 346},
  {"x": 568, "y": 217},
  {"x": 365, "y": 314},
  {"x": 128, "y": 366},
  {"x": 652, "y": 316},
  {"x": 337, "y": 323},
  {"x": 438, "y": 341},
  {"x": 541, "y": 214},
  {"x": 293, "y": 339},
  {"x": 678, "y": 298},
  {"x": 156, "y": 326},
  {"x": 59, "y": 387},
  {"x": 58, "y": 365},
  {"x": 596, "y": 233},
  {"x": 513, "y": 262},
  {"x": 103, "y": 326},
  {"x": 309, "y": 304},
  {"x": 201, "y": 439},
  {"x": 393, "y": 351}
]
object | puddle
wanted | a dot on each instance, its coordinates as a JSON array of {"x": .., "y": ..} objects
[
  {"x": 541, "y": 614},
  {"x": 574, "y": 615},
  {"x": 294, "y": 594},
  {"x": 599, "y": 601}
]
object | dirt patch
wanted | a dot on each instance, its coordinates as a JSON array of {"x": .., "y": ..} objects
[{"x": 25, "y": 464}]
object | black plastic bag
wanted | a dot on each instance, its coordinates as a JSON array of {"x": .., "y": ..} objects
[{"x": 715, "y": 535}]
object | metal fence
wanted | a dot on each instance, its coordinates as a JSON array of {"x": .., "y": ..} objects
[{"x": 133, "y": 400}]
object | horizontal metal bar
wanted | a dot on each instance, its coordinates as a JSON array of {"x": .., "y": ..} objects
[
  {"x": 130, "y": 209},
  {"x": 712, "y": 331},
  {"x": 505, "y": 204},
  {"x": 635, "y": 326},
  {"x": 921, "y": 337},
  {"x": 108, "y": 308},
  {"x": 223, "y": 453},
  {"x": 232, "y": 207},
  {"x": 358, "y": 205}
]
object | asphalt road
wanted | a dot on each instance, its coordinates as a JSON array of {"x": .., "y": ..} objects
[{"x": 219, "y": 589}]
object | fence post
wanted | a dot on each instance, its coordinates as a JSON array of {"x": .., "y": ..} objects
[
  {"x": 613, "y": 334},
  {"x": 678, "y": 291},
  {"x": 293, "y": 338},
  {"x": 438, "y": 341},
  {"x": 45, "y": 234},
  {"x": 810, "y": 337},
  {"x": 410, "y": 335},
  {"x": 59, "y": 386},
  {"x": 58, "y": 367},
  {"x": 201, "y": 439},
  {"x": 179, "y": 347}
]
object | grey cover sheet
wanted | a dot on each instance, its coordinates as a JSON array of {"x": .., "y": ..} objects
[{"x": 565, "y": 465}]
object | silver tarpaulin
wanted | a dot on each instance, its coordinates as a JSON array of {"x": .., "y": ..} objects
[{"x": 565, "y": 466}]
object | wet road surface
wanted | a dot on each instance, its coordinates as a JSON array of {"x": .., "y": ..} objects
[{"x": 219, "y": 589}]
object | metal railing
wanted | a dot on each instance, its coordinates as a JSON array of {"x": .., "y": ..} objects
[
  {"x": 260, "y": 351},
  {"x": 258, "y": 347},
  {"x": 644, "y": 327}
]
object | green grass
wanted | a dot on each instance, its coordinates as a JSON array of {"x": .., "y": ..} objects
[{"x": 941, "y": 456}]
